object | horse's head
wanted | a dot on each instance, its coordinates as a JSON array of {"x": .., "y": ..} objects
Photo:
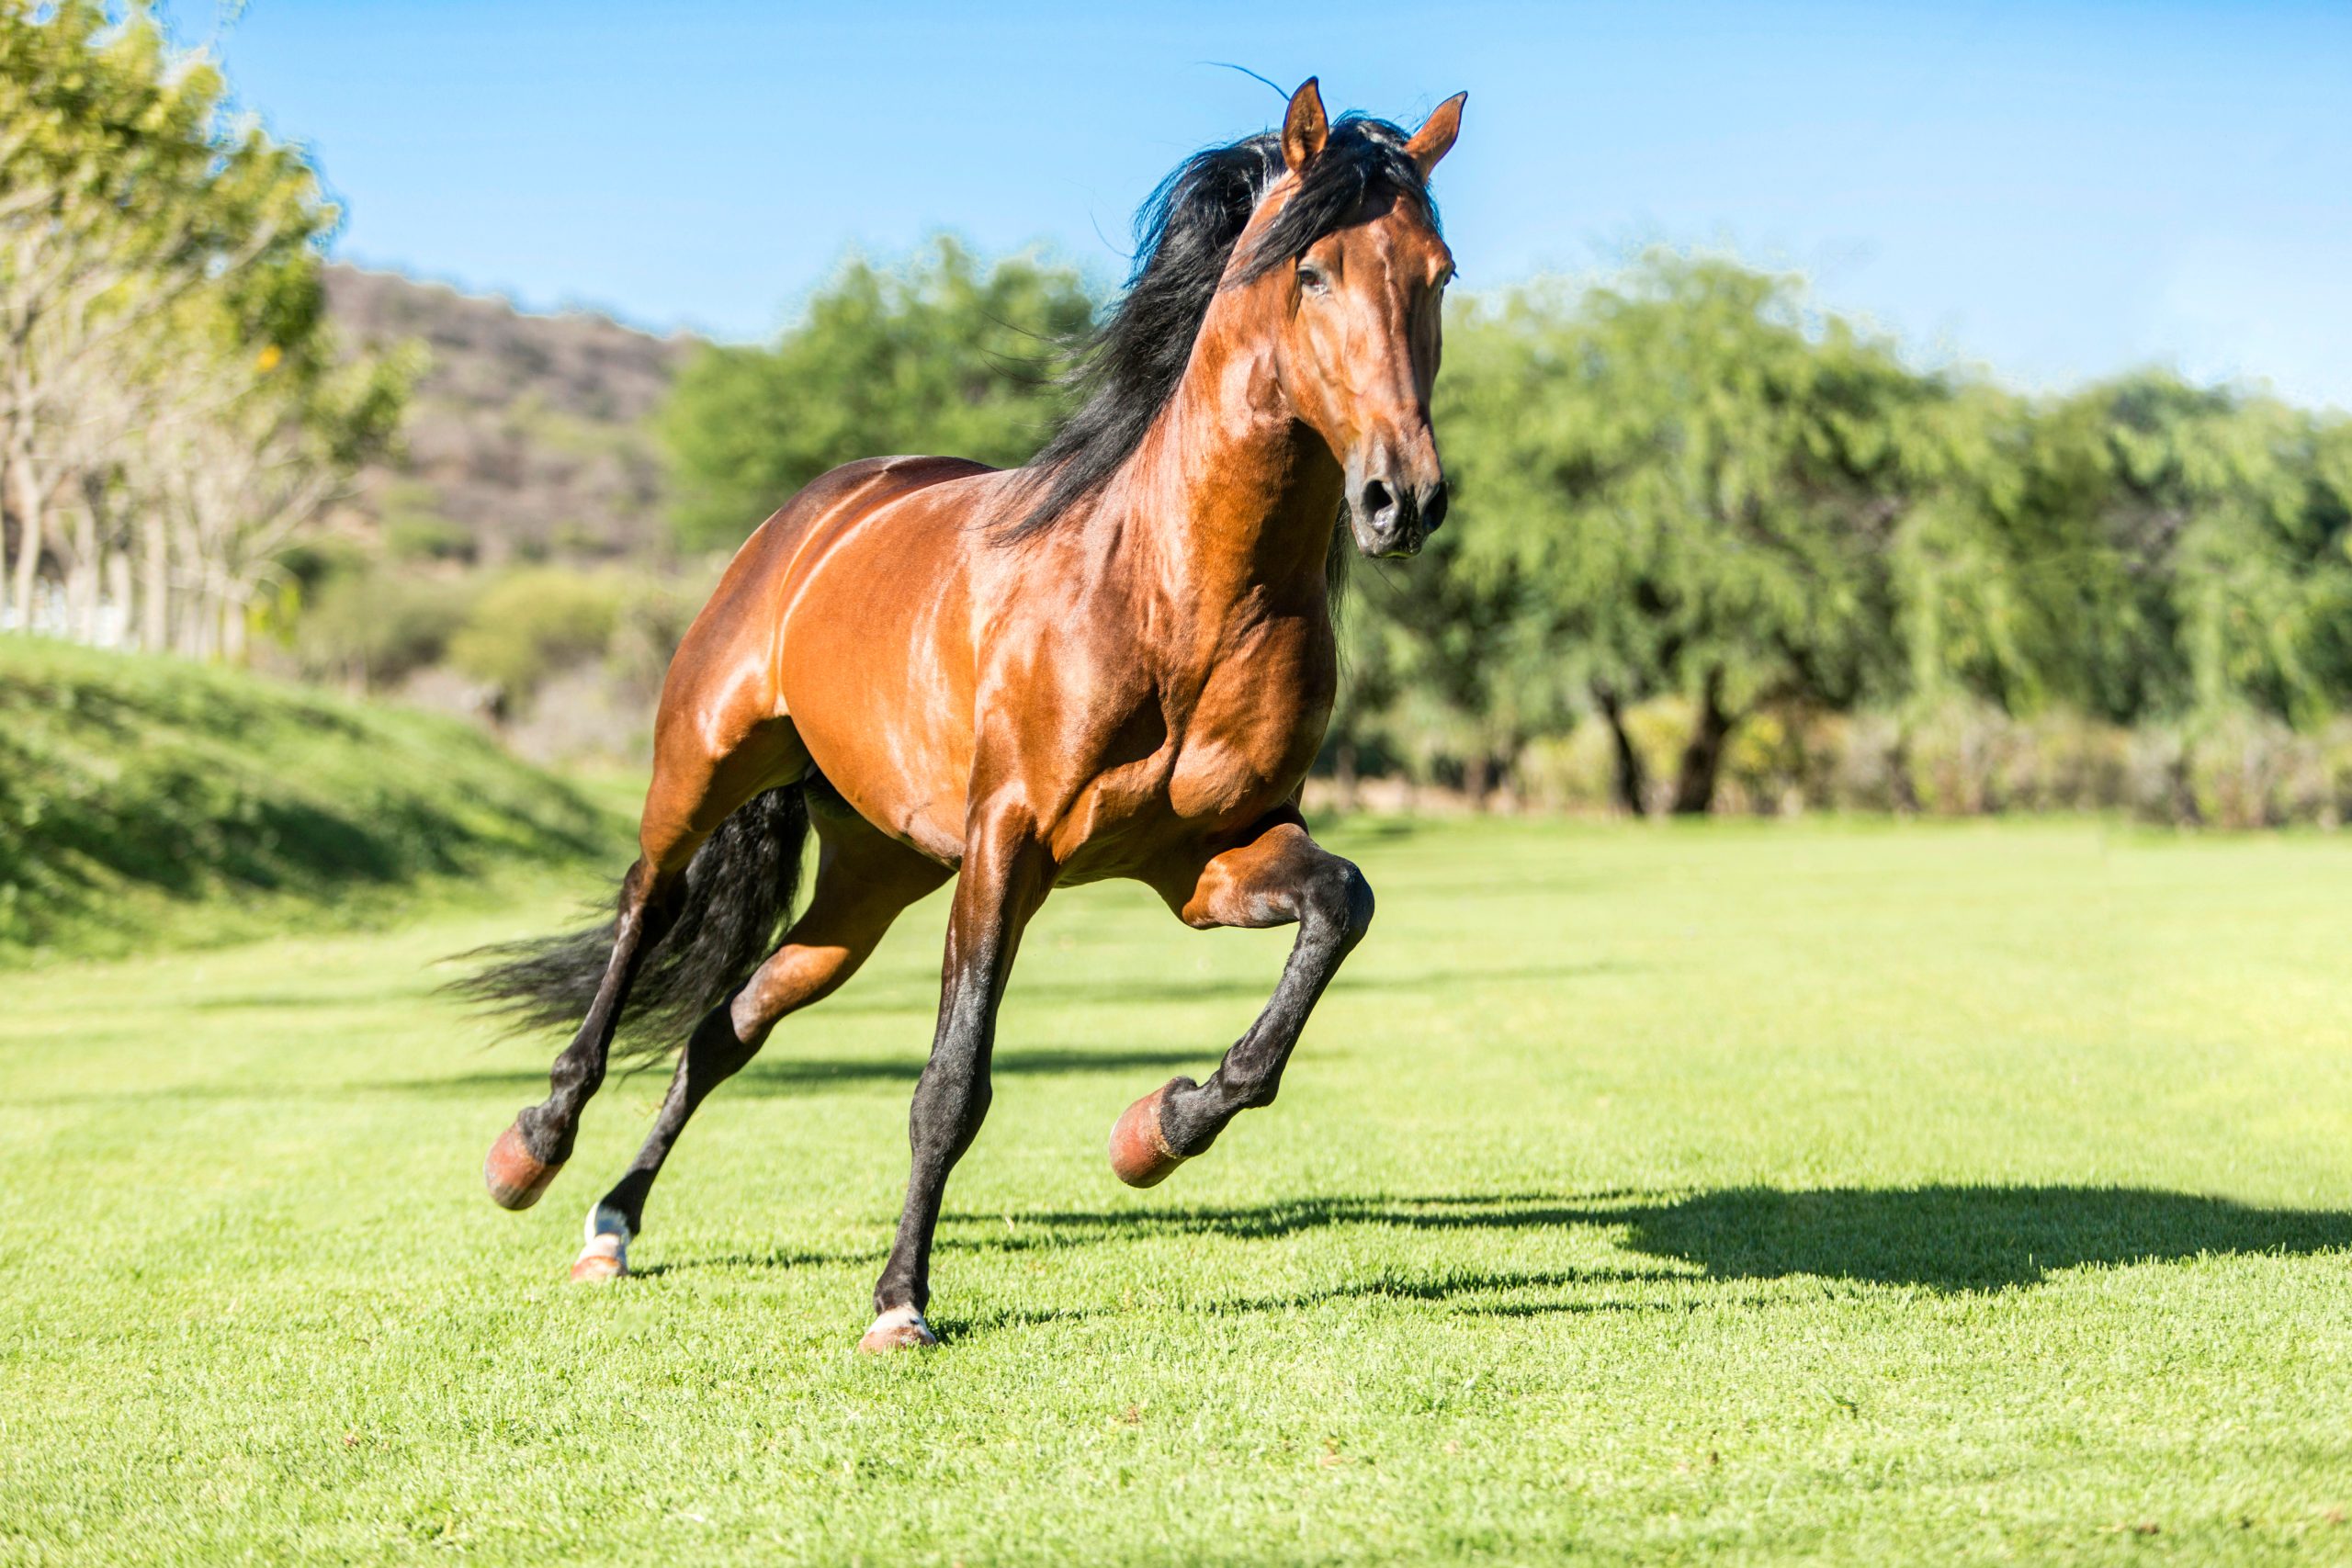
[
  {"x": 1309, "y": 262},
  {"x": 1362, "y": 303}
]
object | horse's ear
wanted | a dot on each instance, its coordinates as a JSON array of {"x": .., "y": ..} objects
[
  {"x": 1435, "y": 138},
  {"x": 1304, "y": 129}
]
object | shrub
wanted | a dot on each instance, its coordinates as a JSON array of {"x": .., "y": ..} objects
[
  {"x": 373, "y": 627},
  {"x": 532, "y": 624}
]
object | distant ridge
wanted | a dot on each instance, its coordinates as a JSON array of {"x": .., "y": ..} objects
[{"x": 529, "y": 436}]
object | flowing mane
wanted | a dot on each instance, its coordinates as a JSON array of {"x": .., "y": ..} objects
[{"x": 1185, "y": 233}]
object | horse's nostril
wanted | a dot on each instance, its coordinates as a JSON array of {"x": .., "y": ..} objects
[
  {"x": 1377, "y": 501},
  {"x": 1434, "y": 510}
]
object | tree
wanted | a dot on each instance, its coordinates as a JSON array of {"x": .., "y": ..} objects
[
  {"x": 1696, "y": 481},
  {"x": 2141, "y": 549},
  {"x": 170, "y": 394},
  {"x": 2237, "y": 510},
  {"x": 942, "y": 355}
]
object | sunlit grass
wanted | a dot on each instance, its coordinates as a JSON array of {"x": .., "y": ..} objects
[{"x": 1857, "y": 1193}]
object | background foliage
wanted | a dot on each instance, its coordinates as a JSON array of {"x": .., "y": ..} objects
[
  {"x": 175, "y": 409},
  {"x": 1715, "y": 546},
  {"x": 943, "y": 355}
]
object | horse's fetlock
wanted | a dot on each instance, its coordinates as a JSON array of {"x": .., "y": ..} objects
[{"x": 547, "y": 1139}]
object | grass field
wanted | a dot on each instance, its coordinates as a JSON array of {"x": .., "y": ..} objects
[{"x": 1853, "y": 1193}]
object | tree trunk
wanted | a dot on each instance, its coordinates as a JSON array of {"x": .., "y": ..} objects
[
  {"x": 2186, "y": 812},
  {"x": 1631, "y": 782},
  {"x": 1702, "y": 758},
  {"x": 83, "y": 626},
  {"x": 1479, "y": 779},
  {"x": 232, "y": 628},
  {"x": 1343, "y": 776},
  {"x": 155, "y": 596},
  {"x": 7, "y": 515},
  {"x": 1904, "y": 793},
  {"x": 119, "y": 588},
  {"x": 28, "y": 507}
]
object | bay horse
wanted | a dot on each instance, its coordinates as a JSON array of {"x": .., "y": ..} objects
[{"x": 1117, "y": 661}]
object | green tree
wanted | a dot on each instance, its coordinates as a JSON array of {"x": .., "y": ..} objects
[
  {"x": 170, "y": 395},
  {"x": 2239, "y": 508},
  {"x": 2142, "y": 550},
  {"x": 1689, "y": 482},
  {"x": 942, "y": 355}
]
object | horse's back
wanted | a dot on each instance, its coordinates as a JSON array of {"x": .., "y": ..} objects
[
  {"x": 758, "y": 582},
  {"x": 847, "y": 613},
  {"x": 828, "y": 507},
  {"x": 724, "y": 678}
]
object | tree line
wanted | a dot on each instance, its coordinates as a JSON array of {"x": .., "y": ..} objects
[
  {"x": 174, "y": 410},
  {"x": 1712, "y": 545},
  {"x": 1711, "y": 530}
]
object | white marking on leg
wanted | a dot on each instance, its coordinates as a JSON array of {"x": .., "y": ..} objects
[
  {"x": 604, "y": 1220},
  {"x": 608, "y": 1237}
]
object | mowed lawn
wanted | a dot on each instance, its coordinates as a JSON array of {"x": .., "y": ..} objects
[{"x": 1863, "y": 1193}]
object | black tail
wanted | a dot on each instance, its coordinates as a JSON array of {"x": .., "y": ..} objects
[{"x": 730, "y": 909}]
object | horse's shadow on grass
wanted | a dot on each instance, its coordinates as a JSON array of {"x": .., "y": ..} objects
[
  {"x": 1942, "y": 1237},
  {"x": 787, "y": 1075}
]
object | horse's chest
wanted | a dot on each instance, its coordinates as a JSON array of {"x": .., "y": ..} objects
[{"x": 1253, "y": 728}]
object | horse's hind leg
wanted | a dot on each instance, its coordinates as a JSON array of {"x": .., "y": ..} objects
[
  {"x": 864, "y": 880},
  {"x": 1278, "y": 876},
  {"x": 692, "y": 792}
]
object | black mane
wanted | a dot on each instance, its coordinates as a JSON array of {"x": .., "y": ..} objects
[{"x": 1184, "y": 238}]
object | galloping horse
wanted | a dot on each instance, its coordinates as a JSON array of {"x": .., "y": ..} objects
[{"x": 1117, "y": 662}]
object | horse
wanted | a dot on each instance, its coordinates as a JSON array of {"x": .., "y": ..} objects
[{"x": 1118, "y": 661}]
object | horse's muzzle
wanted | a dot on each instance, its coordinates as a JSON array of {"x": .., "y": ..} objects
[{"x": 1392, "y": 519}]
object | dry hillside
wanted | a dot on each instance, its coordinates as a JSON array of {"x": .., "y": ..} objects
[{"x": 529, "y": 438}]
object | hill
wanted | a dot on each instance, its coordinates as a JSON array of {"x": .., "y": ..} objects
[
  {"x": 528, "y": 435},
  {"x": 146, "y": 799}
]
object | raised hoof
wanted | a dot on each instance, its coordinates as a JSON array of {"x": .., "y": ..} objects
[
  {"x": 606, "y": 1253},
  {"x": 515, "y": 1175},
  {"x": 901, "y": 1328},
  {"x": 1139, "y": 1153}
]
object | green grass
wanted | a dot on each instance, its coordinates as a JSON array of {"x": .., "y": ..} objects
[
  {"x": 148, "y": 802},
  {"x": 1858, "y": 1194}
]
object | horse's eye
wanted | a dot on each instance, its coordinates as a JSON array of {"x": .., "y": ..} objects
[{"x": 1310, "y": 277}]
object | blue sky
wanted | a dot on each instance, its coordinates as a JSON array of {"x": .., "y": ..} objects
[{"x": 2057, "y": 190}]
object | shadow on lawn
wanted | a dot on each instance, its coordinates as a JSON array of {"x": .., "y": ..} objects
[
  {"x": 1938, "y": 1238},
  {"x": 1941, "y": 1238},
  {"x": 779, "y": 1074},
  {"x": 786, "y": 1074}
]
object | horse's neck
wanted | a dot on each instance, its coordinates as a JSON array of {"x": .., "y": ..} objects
[{"x": 1232, "y": 500}]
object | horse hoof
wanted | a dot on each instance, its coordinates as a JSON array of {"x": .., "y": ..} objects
[
  {"x": 594, "y": 1268},
  {"x": 605, "y": 1255},
  {"x": 1139, "y": 1153},
  {"x": 901, "y": 1328},
  {"x": 515, "y": 1175}
]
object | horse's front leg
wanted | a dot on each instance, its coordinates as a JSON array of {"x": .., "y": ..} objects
[
  {"x": 1006, "y": 875},
  {"x": 1278, "y": 876}
]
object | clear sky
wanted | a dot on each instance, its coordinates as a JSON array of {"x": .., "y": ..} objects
[{"x": 2056, "y": 189}]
